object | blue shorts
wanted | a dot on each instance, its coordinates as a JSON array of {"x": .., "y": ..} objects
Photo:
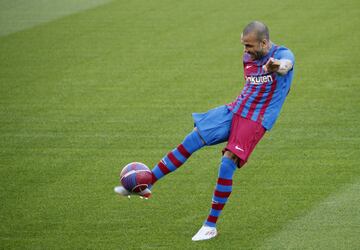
[{"x": 214, "y": 125}]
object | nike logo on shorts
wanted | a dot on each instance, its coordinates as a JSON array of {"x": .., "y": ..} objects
[{"x": 238, "y": 148}]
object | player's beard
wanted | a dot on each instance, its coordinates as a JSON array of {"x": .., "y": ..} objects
[{"x": 258, "y": 54}]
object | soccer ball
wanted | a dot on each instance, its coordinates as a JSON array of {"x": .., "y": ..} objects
[{"x": 135, "y": 177}]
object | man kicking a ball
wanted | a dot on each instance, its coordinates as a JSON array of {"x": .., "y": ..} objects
[{"x": 268, "y": 72}]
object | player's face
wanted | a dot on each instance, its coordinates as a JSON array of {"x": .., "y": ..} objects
[{"x": 255, "y": 48}]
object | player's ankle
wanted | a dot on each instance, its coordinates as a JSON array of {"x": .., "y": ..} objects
[{"x": 206, "y": 224}]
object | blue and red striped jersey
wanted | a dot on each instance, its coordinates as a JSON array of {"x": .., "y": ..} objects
[{"x": 264, "y": 93}]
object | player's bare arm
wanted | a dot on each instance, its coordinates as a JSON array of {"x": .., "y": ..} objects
[{"x": 281, "y": 66}]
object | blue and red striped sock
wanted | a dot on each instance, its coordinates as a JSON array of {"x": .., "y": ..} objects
[
  {"x": 177, "y": 157},
  {"x": 222, "y": 190}
]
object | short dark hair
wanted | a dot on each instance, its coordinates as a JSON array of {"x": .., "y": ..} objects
[{"x": 260, "y": 29}]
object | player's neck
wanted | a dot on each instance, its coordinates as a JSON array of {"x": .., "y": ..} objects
[{"x": 268, "y": 47}]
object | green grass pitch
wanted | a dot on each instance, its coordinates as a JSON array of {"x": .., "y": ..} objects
[{"x": 88, "y": 86}]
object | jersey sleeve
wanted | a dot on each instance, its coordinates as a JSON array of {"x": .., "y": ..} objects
[{"x": 284, "y": 53}]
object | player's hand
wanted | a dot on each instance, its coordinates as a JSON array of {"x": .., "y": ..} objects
[{"x": 271, "y": 66}]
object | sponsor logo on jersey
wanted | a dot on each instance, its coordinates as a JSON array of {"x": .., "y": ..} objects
[{"x": 256, "y": 80}]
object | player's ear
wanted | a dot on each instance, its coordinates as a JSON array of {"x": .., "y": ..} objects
[{"x": 264, "y": 43}]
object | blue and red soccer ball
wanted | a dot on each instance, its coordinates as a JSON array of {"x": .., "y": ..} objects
[{"x": 135, "y": 177}]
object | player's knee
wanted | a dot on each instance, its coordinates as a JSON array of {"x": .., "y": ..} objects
[{"x": 231, "y": 156}]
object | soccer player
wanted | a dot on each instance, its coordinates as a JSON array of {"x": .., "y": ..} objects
[{"x": 268, "y": 73}]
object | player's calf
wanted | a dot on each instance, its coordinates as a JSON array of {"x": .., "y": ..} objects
[{"x": 178, "y": 156}]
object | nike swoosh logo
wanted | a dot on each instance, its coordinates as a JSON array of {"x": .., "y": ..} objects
[{"x": 237, "y": 148}]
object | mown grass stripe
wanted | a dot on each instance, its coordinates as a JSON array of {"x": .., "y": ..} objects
[
  {"x": 17, "y": 15},
  {"x": 332, "y": 224}
]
